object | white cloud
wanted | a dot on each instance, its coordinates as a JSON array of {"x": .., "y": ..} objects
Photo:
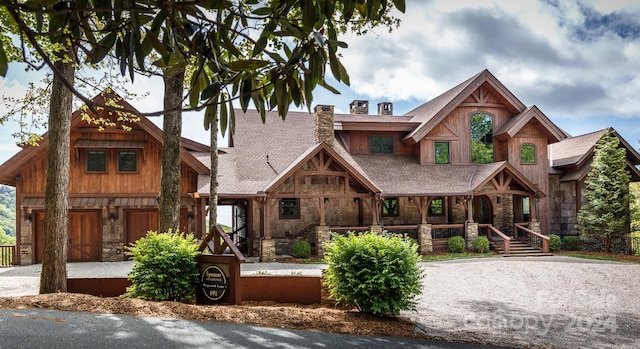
[{"x": 546, "y": 54}]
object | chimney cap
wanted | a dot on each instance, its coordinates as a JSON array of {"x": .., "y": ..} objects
[
  {"x": 359, "y": 106},
  {"x": 385, "y": 108}
]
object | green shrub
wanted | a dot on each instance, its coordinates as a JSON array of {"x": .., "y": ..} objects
[
  {"x": 456, "y": 244},
  {"x": 301, "y": 249},
  {"x": 572, "y": 243},
  {"x": 378, "y": 274},
  {"x": 481, "y": 244},
  {"x": 554, "y": 243},
  {"x": 164, "y": 267}
]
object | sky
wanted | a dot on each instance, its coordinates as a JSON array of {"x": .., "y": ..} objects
[{"x": 577, "y": 61}]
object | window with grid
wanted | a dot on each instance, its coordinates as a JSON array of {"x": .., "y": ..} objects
[
  {"x": 289, "y": 208},
  {"x": 381, "y": 144},
  {"x": 96, "y": 161}
]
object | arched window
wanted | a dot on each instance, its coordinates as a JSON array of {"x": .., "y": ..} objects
[
  {"x": 527, "y": 154},
  {"x": 481, "y": 125}
]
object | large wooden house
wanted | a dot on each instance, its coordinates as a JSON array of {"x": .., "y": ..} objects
[{"x": 472, "y": 161}]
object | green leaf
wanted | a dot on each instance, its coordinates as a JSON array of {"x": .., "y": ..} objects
[
  {"x": 210, "y": 91},
  {"x": 211, "y": 113},
  {"x": 4, "y": 64},
  {"x": 223, "y": 117},
  {"x": 103, "y": 47},
  {"x": 400, "y": 5},
  {"x": 245, "y": 93},
  {"x": 248, "y": 64}
]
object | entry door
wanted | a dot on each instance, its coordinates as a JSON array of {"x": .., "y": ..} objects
[
  {"x": 482, "y": 210},
  {"x": 84, "y": 237},
  {"x": 139, "y": 222}
]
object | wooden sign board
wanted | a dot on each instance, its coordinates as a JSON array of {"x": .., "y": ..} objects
[{"x": 219, "y": 271}]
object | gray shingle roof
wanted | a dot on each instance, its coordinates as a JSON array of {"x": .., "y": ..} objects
[{"x": 573, "y": 151}]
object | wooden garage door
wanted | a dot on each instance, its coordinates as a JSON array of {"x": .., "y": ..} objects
[
  {"x": 84, "y": 236},
  {"x": 139, "y": 222}
]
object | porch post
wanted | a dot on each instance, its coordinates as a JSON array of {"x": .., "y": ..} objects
[
  {"x": 267, "y": 246},
  {"x": 323, "y": 234},
  {"x": 425, "y": 242},
  {"x": 375, "y": 222},
  {"x": 471, "y": 233}
]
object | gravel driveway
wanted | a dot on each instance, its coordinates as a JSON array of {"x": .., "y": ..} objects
[
  {"x": 559, "y": 302},
  {"x": 535, "y": 302}
]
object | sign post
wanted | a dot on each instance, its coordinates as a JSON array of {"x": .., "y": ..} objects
[{"x": 219, "y": 271}]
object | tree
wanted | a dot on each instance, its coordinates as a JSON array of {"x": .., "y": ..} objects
[
  {"x": 606, "y": 211},
  {"x": 268, "y": 53}
]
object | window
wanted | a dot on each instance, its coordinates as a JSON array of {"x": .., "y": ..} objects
[
  {"x": 381, "y": 144},
  {"x": 127, "y": 161},
  {"x": 289, "y": 208},
  {"x": 96, "y": 161},
  {"x": 390, "y": 207},
  {"x": 527, "y": 154},
  {"x": 442, "y": 152},
  {"x": 437, "y": 207},
  {"x": 481, "y": 125},
  {"x": 526, "y": 209}
]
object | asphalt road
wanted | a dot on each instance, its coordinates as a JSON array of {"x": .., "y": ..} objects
[{"x": 35, "y": 328}]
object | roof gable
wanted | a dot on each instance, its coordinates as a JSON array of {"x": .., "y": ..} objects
[
  {"x": 323, "y": 160},
  {"x": 433, "y": 112},
  {"x": 517, "y": 122}
]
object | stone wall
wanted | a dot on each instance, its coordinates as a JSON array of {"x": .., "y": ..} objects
[{"x": 563, "y": 214}]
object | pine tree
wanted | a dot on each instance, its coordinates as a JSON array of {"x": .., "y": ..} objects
[{"x": 606, "y": 211}]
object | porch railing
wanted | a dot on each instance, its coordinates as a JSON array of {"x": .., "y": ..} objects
[
  {"x": 407, "y": 230},
  {"x": 537, "y": 240},
  {"x": 7, "y": 255},
  {"x": 500, "y": 239},
  {"x": 445, "y": 231}
]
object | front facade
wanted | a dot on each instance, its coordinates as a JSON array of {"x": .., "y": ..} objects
[{"x": 472, "y": 161}]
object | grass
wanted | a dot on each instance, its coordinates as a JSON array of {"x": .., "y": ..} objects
[
  {"x": 601, "y": 256},
  {"x": 446, "y": 256}
]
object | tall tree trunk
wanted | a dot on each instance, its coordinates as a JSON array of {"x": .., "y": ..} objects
[
  {"x": 53, "y": 277},
  {"x": 213, "y": 188},
  {"x": 169, "y": 200}
]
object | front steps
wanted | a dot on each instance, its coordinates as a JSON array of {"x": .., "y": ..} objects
[{"x": 518, "y": 248}]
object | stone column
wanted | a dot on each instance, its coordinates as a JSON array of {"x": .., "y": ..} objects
[
  {"x": 471, "y": 233},
  {"x": 425, "y": 243},
  {"x": 323, "y": 234},
  {"x": 375, "y": 229},
  {"x": 323, "y": 125},
  {"x": 535, "y": 226},
  {"x": 267, "y": 251}
]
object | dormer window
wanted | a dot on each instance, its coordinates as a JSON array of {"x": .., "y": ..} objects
[{"x": 381, "y": 144}]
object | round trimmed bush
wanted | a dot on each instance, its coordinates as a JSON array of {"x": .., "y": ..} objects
[
  {"x": 164, "y": 267},
  {"x": 456, "y": 244},
  {"x": 572, "y": 243},
  {"x": 301, "y": 249},
  {"x": 481, "y": 244},
  {"x": 554, "y": 243},
  {"x": 378, "y": 274}
]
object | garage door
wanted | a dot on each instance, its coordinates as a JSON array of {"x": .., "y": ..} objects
[
  {"x": 139, "y": 222},
  {"x": 84, "y": 236}
]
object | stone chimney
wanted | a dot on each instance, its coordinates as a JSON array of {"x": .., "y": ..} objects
[
  {"x": 385, "y": 108},
  {"x": 323, "y": 125},
  {"x": 359, "y": 107}
]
